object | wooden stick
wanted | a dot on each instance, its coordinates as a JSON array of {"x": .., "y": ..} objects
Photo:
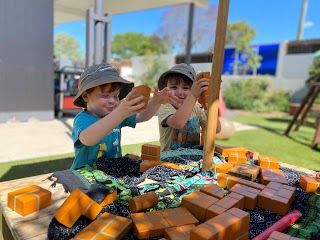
[{"x": 215, "y": 82}]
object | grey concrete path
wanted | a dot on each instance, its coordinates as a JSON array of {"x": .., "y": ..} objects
[{"x": 33, "y": 139}]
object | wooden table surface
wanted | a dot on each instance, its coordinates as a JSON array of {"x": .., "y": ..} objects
[{"x": 35, "y": 225}]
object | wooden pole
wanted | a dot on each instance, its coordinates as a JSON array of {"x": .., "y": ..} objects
[{"x": 215, "y": 82}]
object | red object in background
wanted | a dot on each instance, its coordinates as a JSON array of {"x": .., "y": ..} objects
[
  {"x": 280, "y": 225},
  {"x": 222, "y": 109},
  {"x": 68, "y": 103}
]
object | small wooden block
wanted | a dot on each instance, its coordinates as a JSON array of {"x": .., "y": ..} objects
[
  {"x": 272, "y": 175},
  {"x": 197, "y": 203},
  {"x": 149, "y": 224},
  {"x": 213, "y": 190},
  {"x": 181, "y": 233},
  {"x": 276, "y": 197},
  {"x": 29, "y": 199},
  {"x": 232, "y": 224},
  {"x": 179, "y": 216},
  {"x": 106, "y": 226},
  {"x": 222, "y": 167},
  {"x": 150, "y": 149},
  {"x": 308, "y": 184},
  {"x": 224, "y": 150},
  {"x": 250, "y": 195},
  {"x": 77, "y": 204},
  {"x": 281, "y": 236},
  {"x": 237, "y": 158},
  {"x": 268, "y": 162},
  {"x": 230, "y": 201},
  {"x": 245, "y": 171},
  {"x": 227, "y": 181}
]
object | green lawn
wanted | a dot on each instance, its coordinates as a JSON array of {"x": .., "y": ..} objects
[{"x": 268, "y": 139}]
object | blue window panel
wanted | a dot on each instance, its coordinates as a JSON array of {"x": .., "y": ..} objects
[
  {"x": 228, "y": 61},
  {"x": 269, "y": 54}
]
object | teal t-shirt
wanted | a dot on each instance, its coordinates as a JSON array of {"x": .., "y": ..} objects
[{"x": 109, "y": 146}]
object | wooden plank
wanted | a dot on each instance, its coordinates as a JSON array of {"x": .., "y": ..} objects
[
  {"x": 215, "y": 82},
  {"x": 35, "y": 225}
]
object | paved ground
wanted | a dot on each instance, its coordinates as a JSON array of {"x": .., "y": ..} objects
[{"x": 32, "y": 139}]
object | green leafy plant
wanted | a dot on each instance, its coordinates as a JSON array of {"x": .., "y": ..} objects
[{"x": 254, "y": 94}]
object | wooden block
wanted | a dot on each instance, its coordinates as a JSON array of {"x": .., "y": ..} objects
[
  {"x": 268, "y": 162},
  {"x": 276, "y": 197},
  {"x": 148, "y": 164},
  {"x": 149, "y": 224},
  {"x": 308, "y": 184},
  {"x": 236, "y": 158},
  {"x": 272, "y": 175},
  {"x": 224, "y": 150},
  {"x": 179, "y": 216},
  {"x": 245, "y": 171},
  {"x": 204, "y": 97},
  {"x": 213, "y": 190},
  {"x": 143, "y": 202},
  {"x": 181, "y": 233},
  {"x": 197, "y": 203},
  {"x": 227, "y": 181},
  {"x": 106, "y": 226},
  {"x": 281, "y": 236},
  {"x": 150, "y": 149},
  {"x": 250, "y": 195},
  {"x": 29, "y": 199},
  {"x": 150, "y": 157},
  {"x": 77, "y": 204},
  {"x": 222, "y": 167},
  {"x": 110, "y": 198},
  {"x": 232, "y": 224},
  {"x": 142, "y": 90},
  {"x": 230, "y": 201}
]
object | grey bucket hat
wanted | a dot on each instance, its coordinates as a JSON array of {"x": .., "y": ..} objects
[
  {"x": 97, "y": 75},
  {"x": 181, "y": 68}
]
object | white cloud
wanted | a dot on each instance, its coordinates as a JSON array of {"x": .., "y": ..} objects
[{"x": 308, "y": 24}]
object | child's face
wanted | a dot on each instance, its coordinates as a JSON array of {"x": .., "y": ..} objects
[
  {"x": 181, "y": 90},
  {"x": 101, "y": 102}
]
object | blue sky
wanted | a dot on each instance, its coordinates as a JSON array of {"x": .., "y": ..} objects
[{"x": 273, "y": 20}]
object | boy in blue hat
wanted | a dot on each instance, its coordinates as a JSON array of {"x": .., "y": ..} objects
[
  {"x": 179, "y": 122},
  {"x": 97, "y": 129}
]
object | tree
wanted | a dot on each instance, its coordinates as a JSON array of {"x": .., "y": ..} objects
[
  {"x": 64, "y": 44},
  {"x": 174, "y": 26},
  {"x": 240, "y": 34},
  {"x": 155, "y": 66},
  {"x": 314, "y": 69},
  {"x": 136, "y": 44}
]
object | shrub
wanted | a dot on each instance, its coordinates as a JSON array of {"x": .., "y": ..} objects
[{"x": 254, "y": 94}]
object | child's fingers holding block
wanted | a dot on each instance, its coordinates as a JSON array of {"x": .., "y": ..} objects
[{"x": 143, "y": 91}]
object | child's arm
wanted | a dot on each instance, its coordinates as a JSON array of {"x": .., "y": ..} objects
[
  {"x": 97, "y": 131},
  {"x": 180, "y": 118},
  {"x": 160, "y": 97}
]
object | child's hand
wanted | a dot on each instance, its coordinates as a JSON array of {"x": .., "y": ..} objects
[
  {"x": 129, "y": 107},
  {"x": 165, "y": 96},
  {"x": 199, "y": 86}
]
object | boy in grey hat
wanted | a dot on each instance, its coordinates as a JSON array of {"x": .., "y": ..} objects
[
  {"x": 97, "y": 129},
  {"x": 179, "y": 123}
]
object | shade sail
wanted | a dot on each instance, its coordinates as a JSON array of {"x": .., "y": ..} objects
[{"x": 73, "y": 10}]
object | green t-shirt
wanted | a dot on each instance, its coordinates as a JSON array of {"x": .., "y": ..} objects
[{"x": 170, "y": 138}]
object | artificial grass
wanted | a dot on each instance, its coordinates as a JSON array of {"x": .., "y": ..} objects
[{"x": 268, "y": 140}]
